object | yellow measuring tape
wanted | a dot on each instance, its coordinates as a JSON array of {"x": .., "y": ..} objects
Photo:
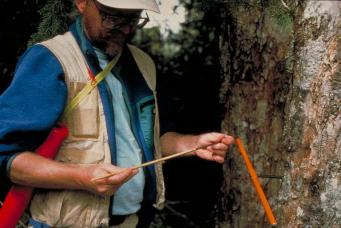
[{"x": 90, "y": 86}]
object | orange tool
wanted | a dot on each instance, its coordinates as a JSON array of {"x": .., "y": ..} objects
[{"x": 256, "y": 183}]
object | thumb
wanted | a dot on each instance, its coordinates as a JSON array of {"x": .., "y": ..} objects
[{"x": 123, "y": 175}]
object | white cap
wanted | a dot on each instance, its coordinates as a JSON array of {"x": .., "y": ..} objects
[{"x": 131, "y": 4}]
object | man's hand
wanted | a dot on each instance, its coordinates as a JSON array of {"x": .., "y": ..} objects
[
  {"x": 107, "y": 186},
  {"x": 217, "y": 145},
  {"x": 218, "y": 150},
  {"x": 32, "y": 170}
]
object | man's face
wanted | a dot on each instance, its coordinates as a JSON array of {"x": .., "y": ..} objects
[{"x": 107, "y": 28}]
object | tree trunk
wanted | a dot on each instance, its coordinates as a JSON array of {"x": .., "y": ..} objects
[
  {"x": 311, "y": 190},
  {"x": 282, "y": 90}
]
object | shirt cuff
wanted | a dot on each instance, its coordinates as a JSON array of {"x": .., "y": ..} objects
[{"x": 9, "y": 164}]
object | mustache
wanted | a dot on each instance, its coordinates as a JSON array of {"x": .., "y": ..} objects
[
  {"x": 116, "y": 32},
  {"x": 119, "y": 34}
]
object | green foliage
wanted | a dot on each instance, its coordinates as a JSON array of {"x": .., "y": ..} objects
[
  {"x": 245, "y": 3},
  {"x": 281, "y": 15},
  {"x": 195, "y": 44},
  {"x": 152, "y": 40},
  {"x": 276, "y": 8},
  {"x": 18, "y": 20},
  {"x": 284, "y": 19},
  {"x": 56, "y": 16}
]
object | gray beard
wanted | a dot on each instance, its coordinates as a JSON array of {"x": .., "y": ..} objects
[{"x": 113, "y": 49}]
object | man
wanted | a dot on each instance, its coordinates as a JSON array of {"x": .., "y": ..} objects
[{"x": 116, "y": 126}]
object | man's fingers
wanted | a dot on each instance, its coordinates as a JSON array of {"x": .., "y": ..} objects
[
  {"x": 219, "y": 159},
  {"x": 228, "y": 140},
  {"x": 122, "y": 176},
  {"x": 205, "y": 154},
  {"x": 118, "y": 175},
  {"x": 221, "y": 153},
  {"x": 212, "y": 155},
  {"x": 214, "y": 137},
  {"x": 218, "y": 146}
]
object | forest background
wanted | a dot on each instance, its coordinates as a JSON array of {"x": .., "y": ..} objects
[{"x": 267, "y": 71}]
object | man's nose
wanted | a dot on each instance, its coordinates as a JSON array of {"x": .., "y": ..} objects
[{"x": 126, "y": 29}]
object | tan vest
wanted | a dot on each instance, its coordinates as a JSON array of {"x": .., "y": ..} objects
[{"x": 87, "y": 142}]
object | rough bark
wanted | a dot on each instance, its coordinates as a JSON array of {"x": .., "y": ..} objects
[
  {"x": 311, "y": 190},
  {"x": 282, "y": 94}
]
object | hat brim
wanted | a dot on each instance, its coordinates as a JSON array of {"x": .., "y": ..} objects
[{"x": 131, "y": 4}]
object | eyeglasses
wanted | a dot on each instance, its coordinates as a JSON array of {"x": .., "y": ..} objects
[{"x": 119, "y": 20}]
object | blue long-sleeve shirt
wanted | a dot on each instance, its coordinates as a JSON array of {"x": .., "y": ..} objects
[{"x": 31, "y": 105}]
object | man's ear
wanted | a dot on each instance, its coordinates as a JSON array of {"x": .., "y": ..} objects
[{"x": 81, "y": 4}]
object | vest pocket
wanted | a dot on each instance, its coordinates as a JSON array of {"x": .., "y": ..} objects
[
  {"x": 81, "y": 152},
  {"x": 84, "y": 119},
  {"x": 85, "y": 143}
]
